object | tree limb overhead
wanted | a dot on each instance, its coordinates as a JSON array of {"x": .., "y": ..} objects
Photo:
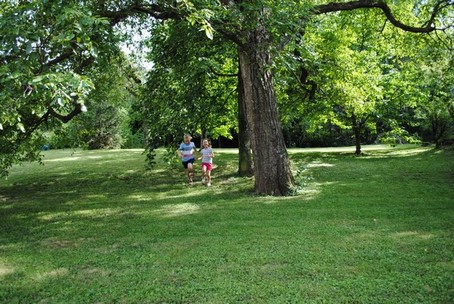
[{"x": 380, "y": 4}]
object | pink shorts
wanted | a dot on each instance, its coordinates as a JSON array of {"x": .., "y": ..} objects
[{"x": 208, "y": 166}]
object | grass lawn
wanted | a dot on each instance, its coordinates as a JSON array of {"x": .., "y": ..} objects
[{"x": 96, "y": 227}]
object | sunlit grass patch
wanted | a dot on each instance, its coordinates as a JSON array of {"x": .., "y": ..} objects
[
  {"x": 178, "y": 210},
  {"x": 6, "y": 270}
]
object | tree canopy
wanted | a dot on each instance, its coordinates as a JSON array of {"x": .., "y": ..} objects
[{"x": 46, "y": 57}]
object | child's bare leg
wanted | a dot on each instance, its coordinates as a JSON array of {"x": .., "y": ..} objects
[
  {"x": 208, "y": 175},
  {"x": 204, "y": 173},
  {"x": 190, "y": 173}
]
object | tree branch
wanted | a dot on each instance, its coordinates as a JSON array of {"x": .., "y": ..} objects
[
  {"x": 65, "y": 118},
  {"x": 67, "y": 54},
  {"x": 152, "y": 10},
  {"x": 221, "y": 74},
  {"x": 380, "y": 4}
]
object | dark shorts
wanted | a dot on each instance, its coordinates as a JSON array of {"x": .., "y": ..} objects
[{"x": 186, "y": 162}]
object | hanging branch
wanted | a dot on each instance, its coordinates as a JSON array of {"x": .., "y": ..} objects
[
  {"x": 427, "y": 27},
  {"x": 152, "y": 10},
  {"x": 212, "y": 70}
]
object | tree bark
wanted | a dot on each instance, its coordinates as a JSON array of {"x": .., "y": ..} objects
[
  {"x": 271, "y": 163},
  {"x": 245, "y": 161}
]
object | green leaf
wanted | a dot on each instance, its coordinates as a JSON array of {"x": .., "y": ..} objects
[
  {"x": 29, "y": 48},
  {"x": 21, "y": 127}
]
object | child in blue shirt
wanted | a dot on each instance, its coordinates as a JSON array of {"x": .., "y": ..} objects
[{"x": 186, "y": 152}]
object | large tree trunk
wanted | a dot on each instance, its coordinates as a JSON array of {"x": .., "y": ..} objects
[
  {"x": 245, "y": 162},
  {"x": 271, "y": 163}
]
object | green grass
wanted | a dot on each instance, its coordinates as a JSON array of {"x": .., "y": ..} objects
[{"x": 95, "y": 227}]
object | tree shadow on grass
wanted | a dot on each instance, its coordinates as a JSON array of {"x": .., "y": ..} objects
[
  {"x": 75, "y": 198},
  {"x": 100, "y": 221},
  {"x": 93, "y": 187}
]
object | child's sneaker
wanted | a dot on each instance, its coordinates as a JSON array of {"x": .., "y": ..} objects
[
  {"x": 204, "y": 181},
  {"x": 209, "y": 184}
]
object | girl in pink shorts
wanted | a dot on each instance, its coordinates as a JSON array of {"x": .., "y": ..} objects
[{"x": 207, "y": 161}]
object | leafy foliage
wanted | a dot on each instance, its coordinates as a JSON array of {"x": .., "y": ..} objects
[
  {"x": 341, "y": 65},
  {"x": 353, "y": 70},
  {"x": 107, "y": 123},
  {"x": 42, "y": 79},
  {"x": 184, "y": 92}
]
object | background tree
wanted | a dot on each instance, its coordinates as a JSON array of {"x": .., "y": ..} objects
[
  {"x": 417, "y": 87},
  {"x": 108, "y": 122},
  {"x": 433, "y": 89},
  {"x": 184, "y": 91},
  {"x": 340, "y": 60},
  {"x": 349, "y": 53},
  {"x": 257, "y": 30},
  {"x": 43, "y": 60},
  {"x": 202, "y": 72},
  {"x": 257, "y": 41}
]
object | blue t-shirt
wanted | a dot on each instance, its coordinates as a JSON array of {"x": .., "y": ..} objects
[{"x": 187, "y": 151}]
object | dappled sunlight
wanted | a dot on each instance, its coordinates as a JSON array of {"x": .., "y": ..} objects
[
  {"x": 5, "y": 270},
  {"x": 56, "y": 243},
  {"x": 412, "y": 234},
  {"x": 66, "y": 173},
  {"x": 362, "y": 237},
  {"x": 346, "y": 149},
  {"x": 226, "y": 151},
  {"x": 175, "y": 210},
  {"x": 270, "y": 200},
  {"x": 90, "y": 155},
  {"x": 185, "y": 194},
  {"x": 402, "y": 236},
  {"x": 52, "y": 216},
  {"x": 313, "y": 190},
  {"x": 56, "y": 273},
  {"x": 4, "y": 204},
  {"x": 96, "y": 196},
  {"x": 318, "y": 164},
  {"x": 398, "y": 153},
  {"x": 87, "y": 231},
  {"x": 87, "y": 213},
  {"x": 7, "y": 206},
  {"x": 130, "y": 172},
  {"x": 90, "y": 272},
  {"x": 352, "y": 149},
  {"x": 95, "y": 213},
  {"x": 20, "y": 216},
  {"x": 409, "y": 152},
  {"x": 73, "y": 158},
  {"x": 309, "y": 194},
  {"x": 140, "y": 198}
]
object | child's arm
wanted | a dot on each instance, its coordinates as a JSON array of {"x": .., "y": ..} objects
[{"x": 180, "y": 152}]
